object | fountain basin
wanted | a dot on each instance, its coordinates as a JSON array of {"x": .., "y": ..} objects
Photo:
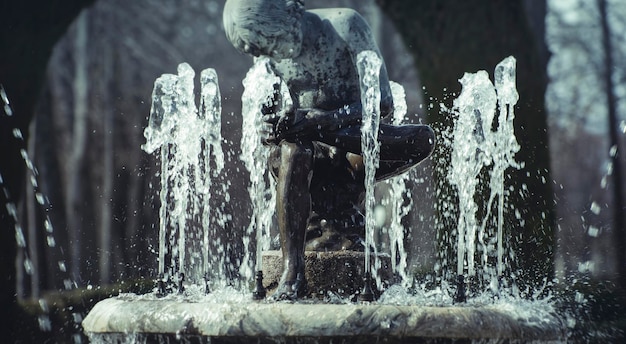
[{"x": 125, "y": 318}]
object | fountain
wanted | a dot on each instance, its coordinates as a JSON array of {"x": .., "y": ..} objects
[
  {"x": 222, "y": 309},
  {"x": 226, "y": 313}
]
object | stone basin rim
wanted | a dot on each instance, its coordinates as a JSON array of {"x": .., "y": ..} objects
[{"x": 286, "y": 320}]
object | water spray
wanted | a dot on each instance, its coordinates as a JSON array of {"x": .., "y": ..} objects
[
  {"x": 368, "y": 65},
  {"x": 480, "y": 144},
  {"x": 261, "y": 87},
  {"x": 187, "y": 139}
]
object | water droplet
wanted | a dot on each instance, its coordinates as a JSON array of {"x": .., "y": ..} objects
[
  {"x": 583, "y": 267},
  {"x": 43, "y": 304},
  {"x": 3, "y": 95},
  {"x": 595, "y": 208},
  {"x": 40, "y": 198},
  {"x": 19, "y": 236},
  {"x": 68, "y": 284},
  {"x": 28, "y": 266},
  {"x": 44, "y": 323}
]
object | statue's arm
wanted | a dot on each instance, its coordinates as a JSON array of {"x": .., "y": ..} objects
[
  {"x": 359, "y": 37},
  {"x": 354, "y": 30},
  {"x": 316, "y": 120}
]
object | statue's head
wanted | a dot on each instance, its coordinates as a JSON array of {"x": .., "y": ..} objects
[{"x": 265, "y": 27}]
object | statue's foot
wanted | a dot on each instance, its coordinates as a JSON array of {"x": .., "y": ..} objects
[{"x": 290, "y": 290}]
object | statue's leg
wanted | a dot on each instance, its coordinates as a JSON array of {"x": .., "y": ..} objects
[
  {"x": 293, "y": 207},
  {"x": 401, "y": 146}
]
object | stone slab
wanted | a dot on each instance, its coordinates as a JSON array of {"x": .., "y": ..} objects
[
  {"x": 136, "y": 318},
  {"x": 340, "y": 272}
]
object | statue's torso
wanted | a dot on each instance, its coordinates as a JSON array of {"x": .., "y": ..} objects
[
  {"x": 324, "y": 76},
  {"x": 327, "y": 80}
]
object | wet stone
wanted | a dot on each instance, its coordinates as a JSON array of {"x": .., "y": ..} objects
[
  {"x": 338, "y": 273},
  {"x": 219, "y": 320}
]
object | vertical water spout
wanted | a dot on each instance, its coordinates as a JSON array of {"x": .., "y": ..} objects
[
  {"x": 475, "y": 108},
  {"x": 210, "y": 119},
  {"x": 186, "y": 139},
  {"x": 483, "y": 146},
  {"x": 398, "y": 191},
  {"x": 158, "y": 135},
  {"x": 368, "y": 65},
  {"x": 504, "y": 156},
  {"x": 259, "y": 92},
  {"x": 188, "y": 150}
]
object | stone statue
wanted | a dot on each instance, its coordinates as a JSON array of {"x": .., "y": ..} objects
[{"x": 316, "y": 144}]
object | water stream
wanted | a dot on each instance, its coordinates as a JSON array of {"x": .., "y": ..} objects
[
  {"x": 260, "y": 91},
  {"x": 43, "y": 204},
  {"x": 483, "y": 139},
  {"x": 397, "y": 192},
  {"x": 191, "y": 155},
  {"x": 368, "y": 66}
]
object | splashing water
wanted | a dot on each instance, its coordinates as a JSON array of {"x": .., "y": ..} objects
[
  {"x": 397, "y": 187},
  {"x": 210, "y": 117},
  {"x": 480, "y": 144},
  {"x": 505, "y": 144},
  {"x": 185, "y": 138},
  {"x": 474, "y": 106},
  {"x": 260, "y": 87},
  {"x": 368, "y": 65}
]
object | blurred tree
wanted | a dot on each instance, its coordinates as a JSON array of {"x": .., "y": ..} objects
[
  {"x": 448, "y": 38},
  {"x": 619, "y": 231},
  {"x": 586, "y": 103}
]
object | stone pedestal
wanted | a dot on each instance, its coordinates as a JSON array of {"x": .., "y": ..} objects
[{"x": 338, "y": 272}]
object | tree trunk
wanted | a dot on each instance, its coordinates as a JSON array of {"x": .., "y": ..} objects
[
  {"x": 618, "y": 202},
  {"x": 448, "y": 38},
  {"x": 73, "y": 170},
  {"x": 108, "y": 169}
]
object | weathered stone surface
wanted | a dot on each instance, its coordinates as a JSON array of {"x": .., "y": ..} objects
[
  {"x": 339, "y": 272},
  {"x": 159, "y": 318}
]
